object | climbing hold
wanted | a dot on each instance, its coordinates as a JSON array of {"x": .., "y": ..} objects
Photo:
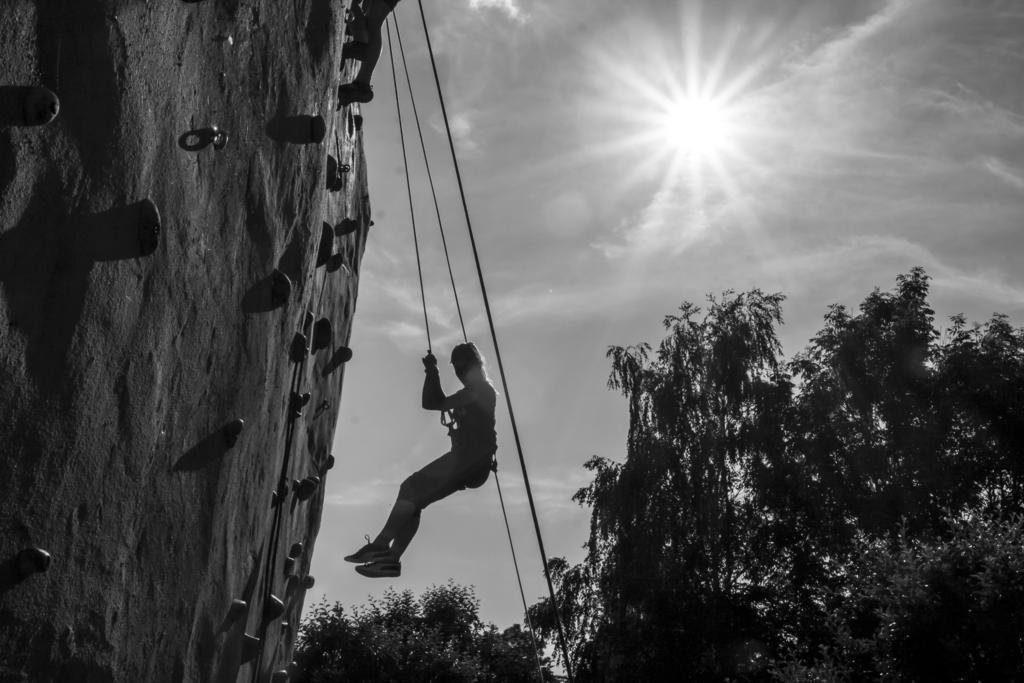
[
  {"x": 218, "y": 137},
  {"x": 237, "y": 609},
  {"x": 335, "y": 262},
  {"x": 149, "y": 227},
  {"x": 289, "y": 564},
  {"x": 280, "y": 676},
  {"x": 323, "y": 253},
  {"x": 343, "y": 354},
  {"x": 232, "y": 430},
  {"x": 250, "y": 647},
  {"x": 280, "y": 288},
  {"x": 273, "y": 608},
  {"x": 358, "y": 120},
  {"x": 317, "y": 129},
  {"x": 334, "y": 180},
  {"x": 273, "y": 498},
  {"x": 330, "y": 463},
  {"x": 31, "y": 561},
  {"x": 297, "y": 402},
  {"x": 308, "y": 582},
  {"x": 356, "y": 91},
  {"x": 322, "y": 334},
  {"x": 40, "y": 106},
  {"x": 305, "y": 488},
  {"x": 345, "y": 227},
  {"x": 295, "y": 550},
  {"x": 300, "y": 348}
]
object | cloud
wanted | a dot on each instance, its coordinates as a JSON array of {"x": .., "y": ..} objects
[
  {"x": 462, "y": 131},
  {"x": 366, "y": 493},
  {"x": 509, "y": 8},
  {"x": 1011, "y": 176},
  {"x": 675, "y": 218},
  {"x": 873, "y": 256}
]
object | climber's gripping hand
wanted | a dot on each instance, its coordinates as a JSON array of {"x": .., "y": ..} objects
[{"x": 430, "y": 362}]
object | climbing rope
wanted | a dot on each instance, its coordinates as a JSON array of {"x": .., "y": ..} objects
[
  {"x": 519, "y": 577},
  {"x": 430, "y": 177},
  {"x": 455, "y": 292},
  {"x": 271, "y": 565},
  {"x": 490, "y": 322},
  {"x": 497, "y": 350},
  {"x": 408, "y": 187}
]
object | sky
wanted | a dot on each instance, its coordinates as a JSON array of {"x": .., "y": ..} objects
[{"x": 619, "y": 159}]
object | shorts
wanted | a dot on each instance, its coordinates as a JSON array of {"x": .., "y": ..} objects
[{"x": 453, "y": 471}]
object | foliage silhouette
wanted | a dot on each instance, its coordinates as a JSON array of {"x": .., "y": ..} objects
[
  {"x": 722, "y": 545},
  {"x": 438, "y": 637}
]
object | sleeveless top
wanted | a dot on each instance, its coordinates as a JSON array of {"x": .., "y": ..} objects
[{"x": 473, "y": 430}]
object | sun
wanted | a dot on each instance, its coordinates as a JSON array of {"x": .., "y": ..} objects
[{"x": 696, "y": 126}]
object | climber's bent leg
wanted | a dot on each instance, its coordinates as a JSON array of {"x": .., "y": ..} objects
[
  {"x": 401, "y": 512},
  {"x": 359, "y": 89},
  {"x": 404, "y": 536}
]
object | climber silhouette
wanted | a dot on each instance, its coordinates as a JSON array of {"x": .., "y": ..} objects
[
  {"x": 367, "y": 23},
  {"x": 467, "y": 465}
]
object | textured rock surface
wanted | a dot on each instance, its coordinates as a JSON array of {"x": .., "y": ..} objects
[{"x": 120, "y": 369}]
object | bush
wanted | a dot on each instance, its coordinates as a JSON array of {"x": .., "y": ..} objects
[{"x": 438, "y": 637}]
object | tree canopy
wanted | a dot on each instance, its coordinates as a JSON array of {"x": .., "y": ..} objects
[
  {"x": 745, "y": 533},
  {"x": 437, "y": 637}
]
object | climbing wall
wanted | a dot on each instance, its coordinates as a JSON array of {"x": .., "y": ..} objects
[{"x": 179, "y": 261}]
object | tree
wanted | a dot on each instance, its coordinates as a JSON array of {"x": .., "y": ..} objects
[
  {"x": 438, "y": 637},
  {"x": 673, "y": 577},
  {"x": 755, "y": 494},
  {"x": 949, "y": 609}
]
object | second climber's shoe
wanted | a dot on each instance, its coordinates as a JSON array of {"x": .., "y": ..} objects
[
  {"x": 377, "y": 570},
  {"x": 354, "y": 92},
  {"x": 354, "y": 50},
  {"x": 369, "y": 553}
]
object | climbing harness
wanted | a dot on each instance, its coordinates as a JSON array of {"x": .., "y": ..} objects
[{"x": 487, "y": 308}]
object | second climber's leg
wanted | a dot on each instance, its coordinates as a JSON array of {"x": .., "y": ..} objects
[
  {"x": 376, "y": 13},
  {"x": 359, "y": 89}
]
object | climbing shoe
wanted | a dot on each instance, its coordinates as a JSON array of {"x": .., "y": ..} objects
[
  {"x": 369, "y": 552},
  {"x": 376, "y": 570},
  {"x": 354, "y": 92},
  {"x": 354, "y": 50}
]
